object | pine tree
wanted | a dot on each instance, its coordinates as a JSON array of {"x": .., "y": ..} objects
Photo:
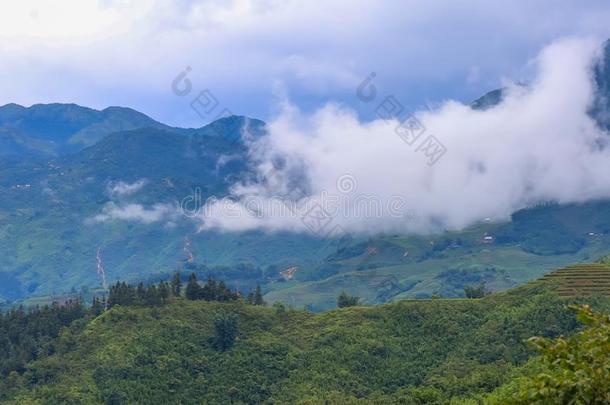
[
  {"x": 118, "y": 295},
  {"x": 258, "y": 296},
  {"x": 193, "y": 290},
  {"x": 176, "y": 284},
  {"x": 152, "y": 296},
  {"x": 163, "y": 291},
  {"x": 96, "y": 306},
  {"x": 130, "y": 294},
  {"x": 213, "y": 290},
  {"x": 206, "y": 292},
  {"x": 224, "y": 294},
  {"x": 141, "y": 294},
  {"x": 344, "y": 300}
]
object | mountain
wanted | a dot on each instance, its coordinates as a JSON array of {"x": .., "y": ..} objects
[
  {"x": 600, "y": 109},
  {"x": 489, "y": 100},
  {"x": 56, "y": 212},
  {"x": 55, "y": 129},
  {"x": 601, "y": 106},
  {"x": 232, "y": 129},
  {"x": 59, "y": 129},
  {"x": 393, "y": 267},
  {"x": 75, "y": 180}
]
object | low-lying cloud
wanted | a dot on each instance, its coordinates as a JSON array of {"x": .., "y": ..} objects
[
  {"x": 137, "y": 213},
  {"x": 538, "y": 145},
  {"x": 121, "y": 188}
]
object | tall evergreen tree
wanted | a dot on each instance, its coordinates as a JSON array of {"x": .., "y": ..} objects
[
  {"x": 258, "y": 296},
  {"x": 152, "y": 296},
  {"x": 344, "y": 300},
  {"x": 176, "y": 284},
  {"x": 212, "y": 290},
  {"x": 97, "y": 306},
  {"x": 193, "y": 290},
  {"x": 223, "y": 294},
  {"x": 163, "y": 290},
  {"x": 141, "y": 293}
]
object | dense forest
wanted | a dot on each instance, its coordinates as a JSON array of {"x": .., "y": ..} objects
[
  {"x": 204, "y": 343},
  {"x": 30, "y": 334}
]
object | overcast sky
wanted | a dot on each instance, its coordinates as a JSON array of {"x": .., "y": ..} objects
[{"x": 250, "y": 54}]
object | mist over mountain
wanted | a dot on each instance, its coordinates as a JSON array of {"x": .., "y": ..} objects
[
  {"x": 492, "y": 157},
  {"x": 75, "y": 180},
  {"x": 122, "y": 195},
  {"x": 599, "y": 107}
]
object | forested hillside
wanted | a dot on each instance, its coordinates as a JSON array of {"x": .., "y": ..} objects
[{"x": 200, "y": 350}]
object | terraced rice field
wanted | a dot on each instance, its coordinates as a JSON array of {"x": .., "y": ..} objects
[{"x": 581, "y": 279}]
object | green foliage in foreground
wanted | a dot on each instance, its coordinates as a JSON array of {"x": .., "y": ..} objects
[
  {"x": 578, "y": 367},
  {"x": 573, "y": 370},
  {"x": 408, "y": 352}
]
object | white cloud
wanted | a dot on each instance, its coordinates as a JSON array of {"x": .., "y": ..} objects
[
  {"x": 538, "y": 145},
  {"x": 27, "y": 21},
  {"x": 120, "y": 189},
  {"x": 137, "y": 213}
]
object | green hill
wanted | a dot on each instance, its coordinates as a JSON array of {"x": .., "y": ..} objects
[
  {"x": 409, "y": 352},
  {"x": 580, "y": 279},
  {"x": 391, "y": 267}
]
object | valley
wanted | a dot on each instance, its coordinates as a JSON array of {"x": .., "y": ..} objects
[{"x": 123, "y": 195}]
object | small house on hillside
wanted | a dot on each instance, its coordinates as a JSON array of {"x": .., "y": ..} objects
[{"x": 487, "y": 239}]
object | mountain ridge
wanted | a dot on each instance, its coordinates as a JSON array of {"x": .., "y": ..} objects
[{"x": 56, "y": 129}]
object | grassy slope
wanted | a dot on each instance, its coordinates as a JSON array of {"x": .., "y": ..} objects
[
  {"x": 413, "y": 278},
  {"x": 537, "y": 241},
  {"x": 426, "y": 352}
]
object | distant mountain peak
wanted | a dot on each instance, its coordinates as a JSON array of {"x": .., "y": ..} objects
[
  {"x": 601, "y": 106},
  {"x": 59, "y": 128},
  {"x": 124, "y": 110},
  {"x": 599, "y": 111},
  {"x": 233, "y": 128},
  {"x": 489, "y": 100},
  {"x": 12, "y": 106}
]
